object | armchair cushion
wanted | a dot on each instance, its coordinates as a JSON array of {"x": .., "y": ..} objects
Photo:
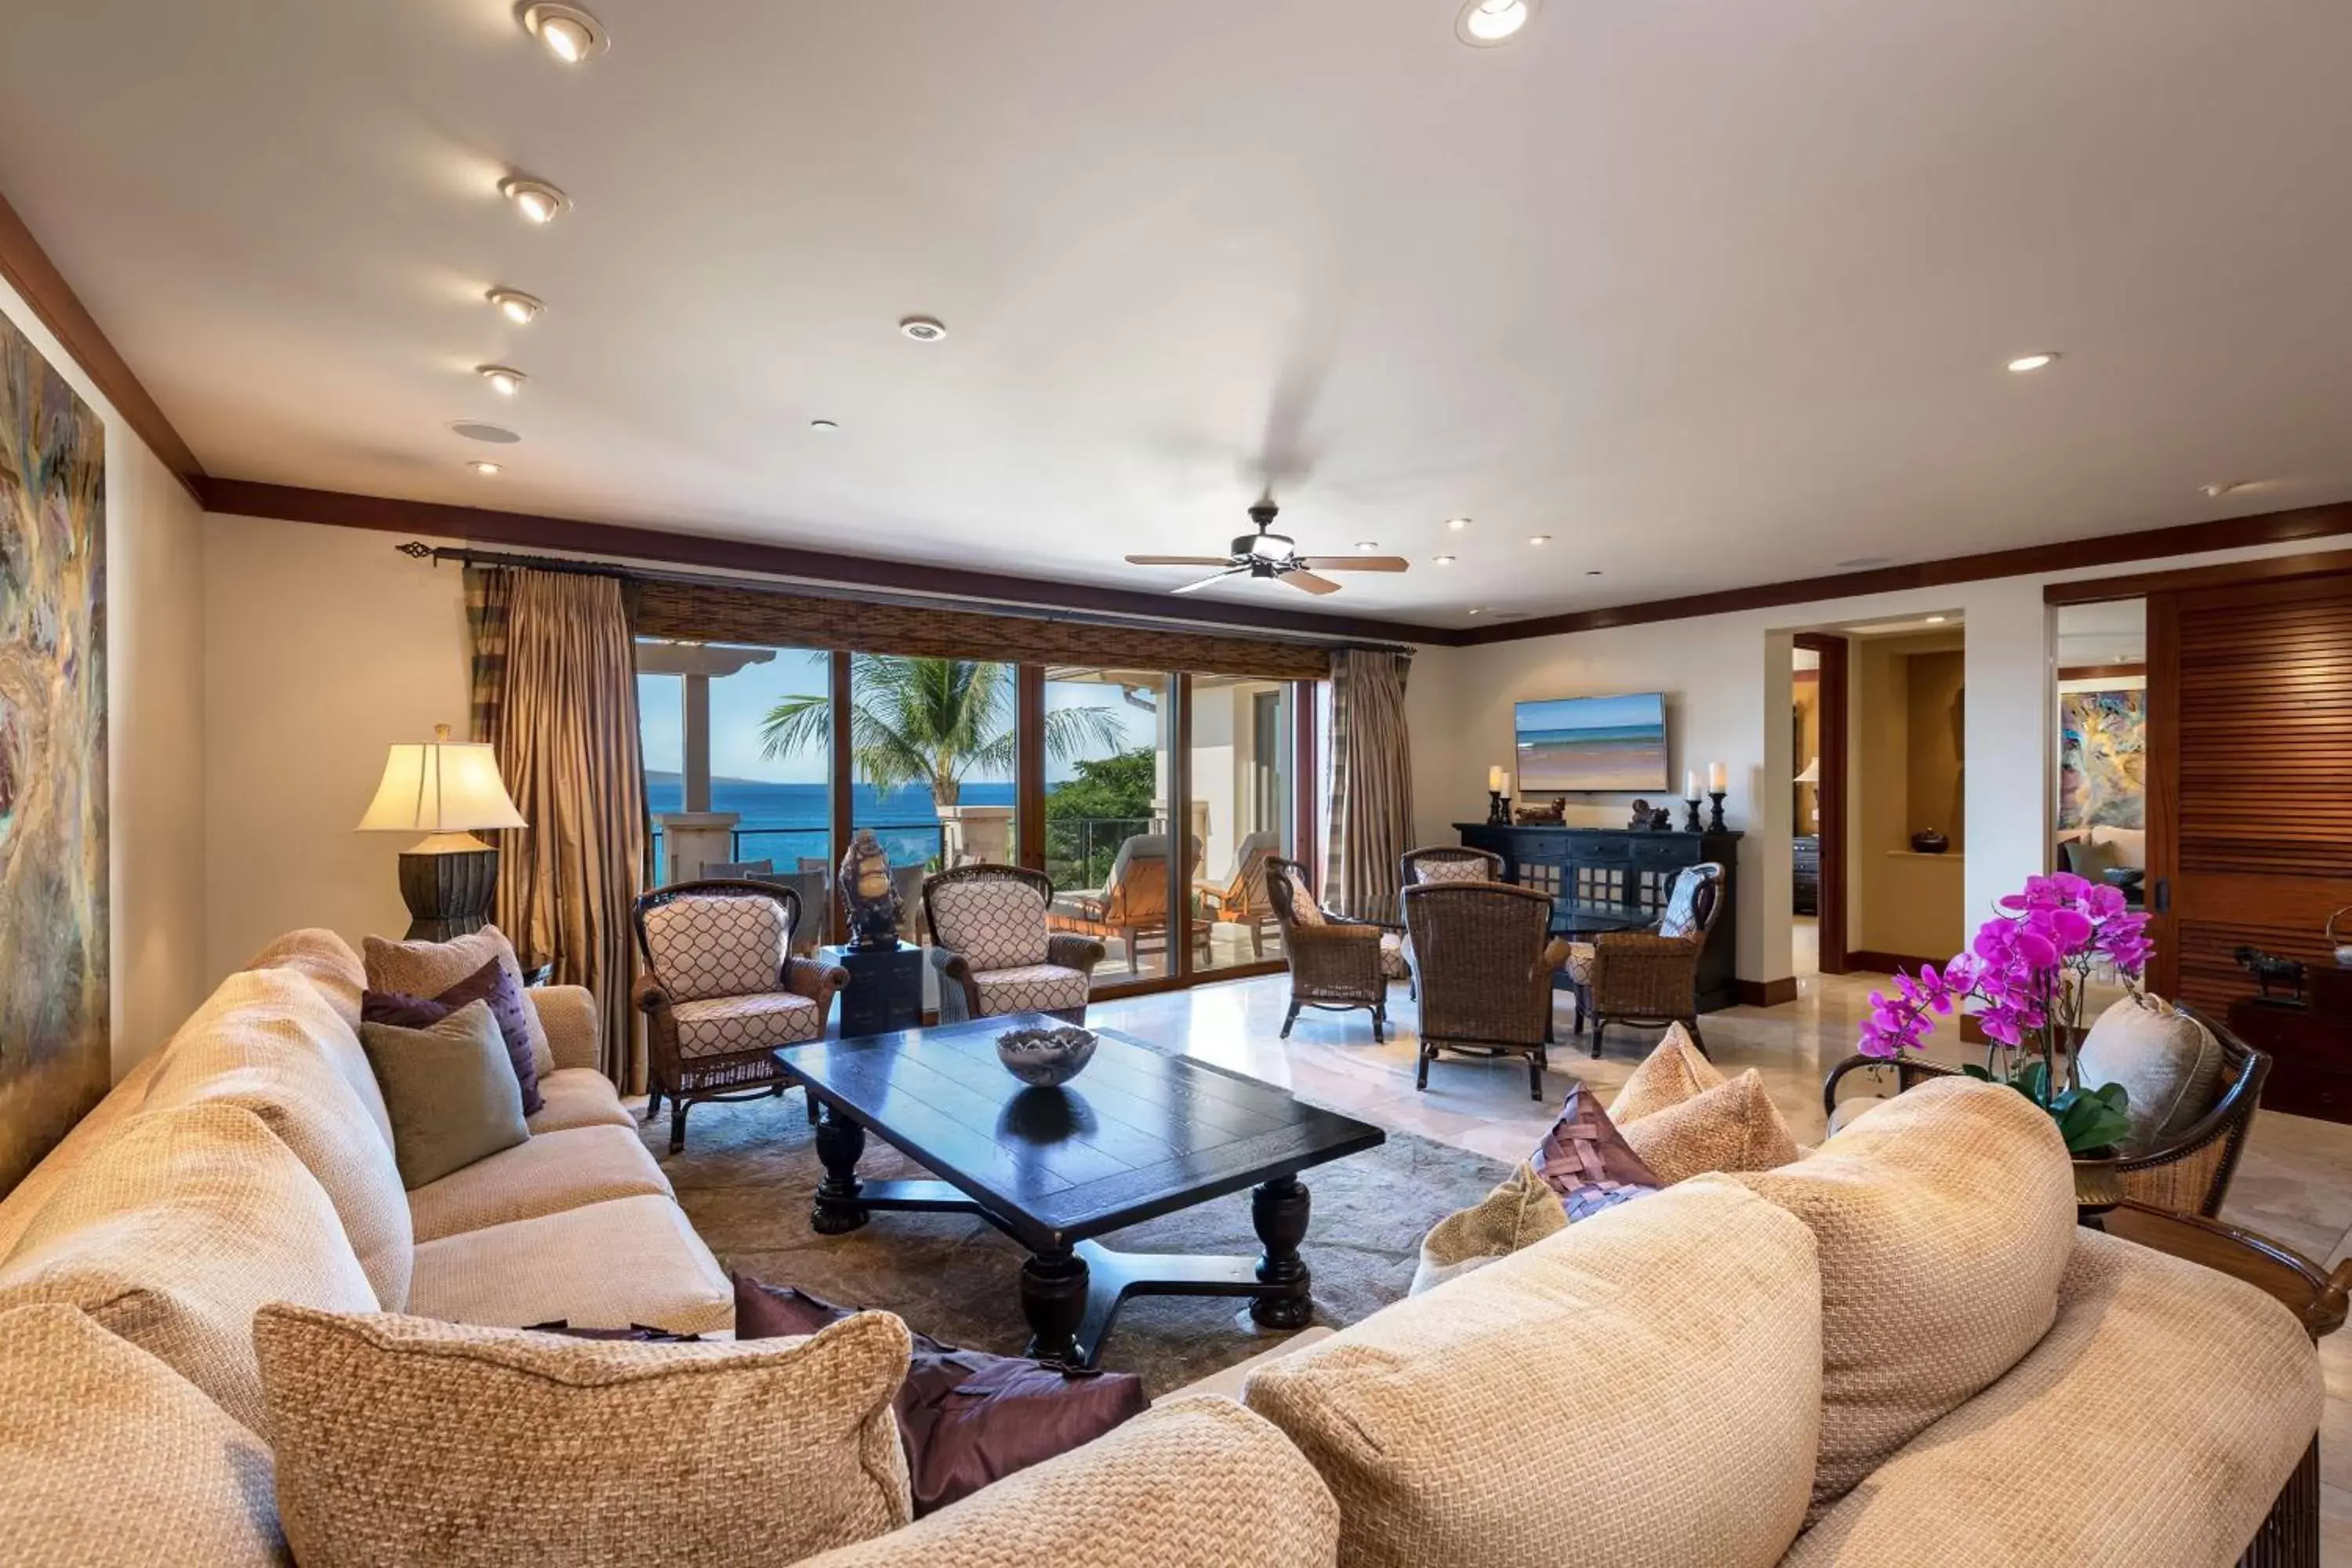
[
  {"x": 1303, "y": 907},
  {"x": 727, "y": 1025},
  {"x": 2168, "y": 1063},
  {"x": 1464, "y": 870},
  {"x": 1579, "y": 962},
  {"x": 1689, "y": 904},
  {"x": 1393, "y": 962},
  {"x": 995, "y": 922},
  {"x": 711, "y": 945},
  {"x": 1031, "y": 988}
]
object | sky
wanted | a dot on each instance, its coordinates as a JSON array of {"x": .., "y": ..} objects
[{"x": 739, "y": 703}]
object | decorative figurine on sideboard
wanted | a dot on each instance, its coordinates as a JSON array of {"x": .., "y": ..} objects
[
  {"x": 1549, "y": 813},
  {"x": 1498, "y": 797},
  {"x": 1641, "y": 821},
  {"x": 867, "y": 899}
]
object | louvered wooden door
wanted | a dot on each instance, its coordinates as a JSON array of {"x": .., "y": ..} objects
[{"x": 2249, "y": 777}]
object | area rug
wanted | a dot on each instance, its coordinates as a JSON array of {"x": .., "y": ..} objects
[{"x": 749, "y": 1169}]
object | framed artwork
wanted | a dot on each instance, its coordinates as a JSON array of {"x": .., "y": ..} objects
[
  {"x": 54, "y": 1056},
  {"x": 2102, "y": 759}
]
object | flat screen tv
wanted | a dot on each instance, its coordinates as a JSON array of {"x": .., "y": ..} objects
[{"x": 1615, "y": 743}]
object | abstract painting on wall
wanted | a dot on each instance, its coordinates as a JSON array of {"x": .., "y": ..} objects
[
  {"x": 2102, "y": 760},
  {"x": 54, "y": 1059}
]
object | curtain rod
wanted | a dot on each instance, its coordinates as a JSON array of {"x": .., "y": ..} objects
[{"x": 416, "y": 550}]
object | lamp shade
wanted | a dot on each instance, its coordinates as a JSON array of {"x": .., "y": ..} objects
[
  {"x": 1812, "y": 774},
  {"x": 440, "y": 787}
]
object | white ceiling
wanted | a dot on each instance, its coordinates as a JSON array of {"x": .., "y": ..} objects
[{"x": 1713, "y": 294}]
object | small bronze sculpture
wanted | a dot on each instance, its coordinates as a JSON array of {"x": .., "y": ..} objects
[
  {"x": 1640, "y": 816},
  {"x": 867, "y": 898}
]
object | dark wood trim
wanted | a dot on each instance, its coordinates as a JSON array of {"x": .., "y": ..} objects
[
  {"x": 1879, "y": 962},
  {"x": 531, "y": 531},
  {"x": 2099, "y": 671},
  {"x": 32, "y": 274},
  {"x": 1767, "y": 992},
  {"x": 2223, "y": 574},
  {"x": 1306, "y": 811},
  {"x": 1029, "y": 767},
  {"x": 842, "y": 793},
  {"x": 2105, "y": 550},
  {"x": 2162, "y": 777},
  {"x": 1836, "y": 712},
  {"x": 1180, "y": 827}
]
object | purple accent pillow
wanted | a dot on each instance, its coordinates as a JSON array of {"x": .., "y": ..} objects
[
  {"x": 1586, "y": 1161},
  {"x": 493, "y": 984},
  {"x": 966, "y": 1417}
]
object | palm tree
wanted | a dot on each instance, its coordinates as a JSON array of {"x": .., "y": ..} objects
[{"x": 931, "y": 721}]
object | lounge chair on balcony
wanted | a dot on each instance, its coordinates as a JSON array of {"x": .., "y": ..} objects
[
  {"x": 1132, "y": 905},
  {"x": 1241, "y": 898}
]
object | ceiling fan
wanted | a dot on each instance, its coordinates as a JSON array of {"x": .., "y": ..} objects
[{"x": 1274, "y": 556}]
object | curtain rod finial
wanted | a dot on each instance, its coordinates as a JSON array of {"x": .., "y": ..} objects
[{"x": 416, "y": 550}]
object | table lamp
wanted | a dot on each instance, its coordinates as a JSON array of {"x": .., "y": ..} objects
[{"x": 444, "y": 789}]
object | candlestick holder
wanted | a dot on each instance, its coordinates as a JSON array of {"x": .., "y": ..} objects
[
  {"x": 1498, "y": 809},
  {"x": 1690, "y": 822},
  {"x": 1714, "y": 823}
]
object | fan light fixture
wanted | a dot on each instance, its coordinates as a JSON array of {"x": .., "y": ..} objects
[
  {"x": 485, "y": 468},
  {"x": 1456, "y": 524},
  {"x": 823, "y": 424},
  {"x": 571, "y": 35},
  {"x": 516, "y": 306},
  {"x": 504, "y": 379},
  {"x": 2039, "y": 359},
  {"x": 1539, "y": 539},
  {"x": 538, "y": 201},
  {"x": 1482, "y": 24},
  {"x": 1445, "y": 560}
]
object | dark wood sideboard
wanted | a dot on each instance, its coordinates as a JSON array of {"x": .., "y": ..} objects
[{"x": 1613, "y": 878}]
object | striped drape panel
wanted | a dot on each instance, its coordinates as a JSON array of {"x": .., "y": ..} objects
[
  {"x": 1370, "y": 808},
  {"x": 490, "y": 596},
  {"x": 563, "y": 713}
]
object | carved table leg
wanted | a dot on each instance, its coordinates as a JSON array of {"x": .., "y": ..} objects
[
  {"x": 1054, "y": 1300},
  {"x": 1278, "y": 1212},
  {"x": 839, "y": 1142}
]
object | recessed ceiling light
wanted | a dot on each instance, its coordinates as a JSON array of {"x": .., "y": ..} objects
[
  {"x": 822, "y": 424},
  {"x": 2037, "y": 360},
  {"x": 1937, "y": 620},
  {"x": 1457, "y": 524},
  {"x": 2216, "y": 492},
  {"x": 516, "y": 306},
  {"x": 1366, "y": 546},
  {"x": 1592, "y": 571},
  {"x": 1476, "y": 611},
  {"x": 484, "y": 467},
  {"x": 1445, "y": 560},
  {"x": 474, "y": 430},
  {"x": 923, "y": 329},
  {"x": 1539, "y": 539},
  {"x": 1862, "y": 563},
  {"x": 1482, "y": 24},
  {"x": 504, "y": 379},
  {"x": 538, "y": 201},
  {"x": 570, "y": 34}
]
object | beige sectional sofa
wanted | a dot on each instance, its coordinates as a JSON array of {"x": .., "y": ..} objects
[{"x": 1692, "y": 1379}]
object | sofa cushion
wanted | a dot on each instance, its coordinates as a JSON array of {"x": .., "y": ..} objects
[
  {"x": 578, "y": 1097},
  {"x": 723, "y": 1026},
  {"x": 1734, "y": 1126},
  {"x": 404, "y": 1440},
  {"x": 603, "y": 1265},
  {"x": 1945, "y": 1218},
  {"x": 1521, "y": 1211},
  {"x": 2155, "y": 1422},
  {"x": 495, "y": 987},
  {"x": 326, "y": 961},
  {"x": 176, "y": 1231},
  {"x": 25, "y": 1199},
  {"x": 546, "y": 1173},
  {"x": 1192, "y": 1483},
  {"x": 716, "y": 944},
  {"x": 111, "y": 1459},
  {"x": 2168, "y": 1063},
  {"x": 1032, "y": 988},
  {"x": 1643, "y": 1388},
  {"x": 994, "y": 922},
  {"x": 429, "y": 968},
  {"x": 1669, "y": 1075},
  {"x": 451, "y": 1092},
  {"x": 268, "y": 1041}
]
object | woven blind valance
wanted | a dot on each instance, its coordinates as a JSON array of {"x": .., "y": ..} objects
[{"x": 708, "y": 612}]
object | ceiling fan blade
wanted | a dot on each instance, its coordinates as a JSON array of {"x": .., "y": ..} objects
[
  {"x": 1354, "y": 562},
  {"x": 1311, "y": 582},
  {"x": 1180, "y": 561},
  {"x": 1212, "y": 577}
]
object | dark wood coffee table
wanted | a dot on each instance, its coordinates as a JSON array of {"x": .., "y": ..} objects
[{"x": 1137, "y": 1135}]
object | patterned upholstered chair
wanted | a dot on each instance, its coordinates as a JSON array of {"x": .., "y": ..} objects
[
  {"x": 993, "y": 951},
  {"x": 1242, "y": 899},
  {"x": 1649, "y": 978},
  {"x": 720, "y": 991},
  {"x": 1433, "y": 864},
  {"x": 1487, "y": 957},
  {"x": 1336, "y": 964},
  {"x": 1132, "y": 905}
]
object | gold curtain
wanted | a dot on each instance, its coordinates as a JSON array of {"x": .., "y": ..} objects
[
  {"x": 1372, "y": 783},
  {"x": 564, "y": 720}
]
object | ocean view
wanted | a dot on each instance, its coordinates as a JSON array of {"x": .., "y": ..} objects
[{"x": 785, "y": 822}]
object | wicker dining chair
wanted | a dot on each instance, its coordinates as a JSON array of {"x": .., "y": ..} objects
[
  {"x": 1487, "y": 958},
  {"x": 1649, "y": 978},
  {"x": 721, "y": 992},
  {"x": 993, "y": 952},
  {"x": 2188, "y": 1173},
  {"x": 1336, "y": 964},
  {"x": 1439, "y": 863}
]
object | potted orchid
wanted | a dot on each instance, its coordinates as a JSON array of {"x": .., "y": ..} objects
[{"x": 2027, "y": 970}]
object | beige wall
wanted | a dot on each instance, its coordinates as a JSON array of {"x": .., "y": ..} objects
[
  {"x": 322, "y": 645},
  {"x": 155, "y": 550}
]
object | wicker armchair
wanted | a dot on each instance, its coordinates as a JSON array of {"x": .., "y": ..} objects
[
  {"x": 993, "y": 951},
  {"x": 2190, "y": 1174},
  {"x": 720, "y": 991},
  {"x": 1649, "y": 978},
  {"x": 1487, "y": 958},
  {"x": 1241, "y": 898},
  {"x": 1439, "y": 863},
  {"x": 1336, "y": 964}
]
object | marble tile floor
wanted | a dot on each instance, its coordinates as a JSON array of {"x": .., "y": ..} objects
[{"x": 2294, "y": 1183}]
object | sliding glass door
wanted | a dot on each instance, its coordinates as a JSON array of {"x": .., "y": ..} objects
[
  {"x": 1243, "y": 783},
  {"x": 1107, "y": 750}
]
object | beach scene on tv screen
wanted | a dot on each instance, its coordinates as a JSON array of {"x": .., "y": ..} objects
[{"x": 1592, "y": 742}]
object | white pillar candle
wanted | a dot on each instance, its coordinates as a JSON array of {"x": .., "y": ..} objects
[
  {"x": 1719, "y": 778},
  {"x": 1497, "y": 780},
  {"x": 1690, "y": 783}
]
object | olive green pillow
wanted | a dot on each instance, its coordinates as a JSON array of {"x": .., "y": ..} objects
[{"x": 451, "y": 1092}]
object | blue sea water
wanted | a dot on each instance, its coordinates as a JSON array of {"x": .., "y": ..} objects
[{"x": 785, "y": 822}]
